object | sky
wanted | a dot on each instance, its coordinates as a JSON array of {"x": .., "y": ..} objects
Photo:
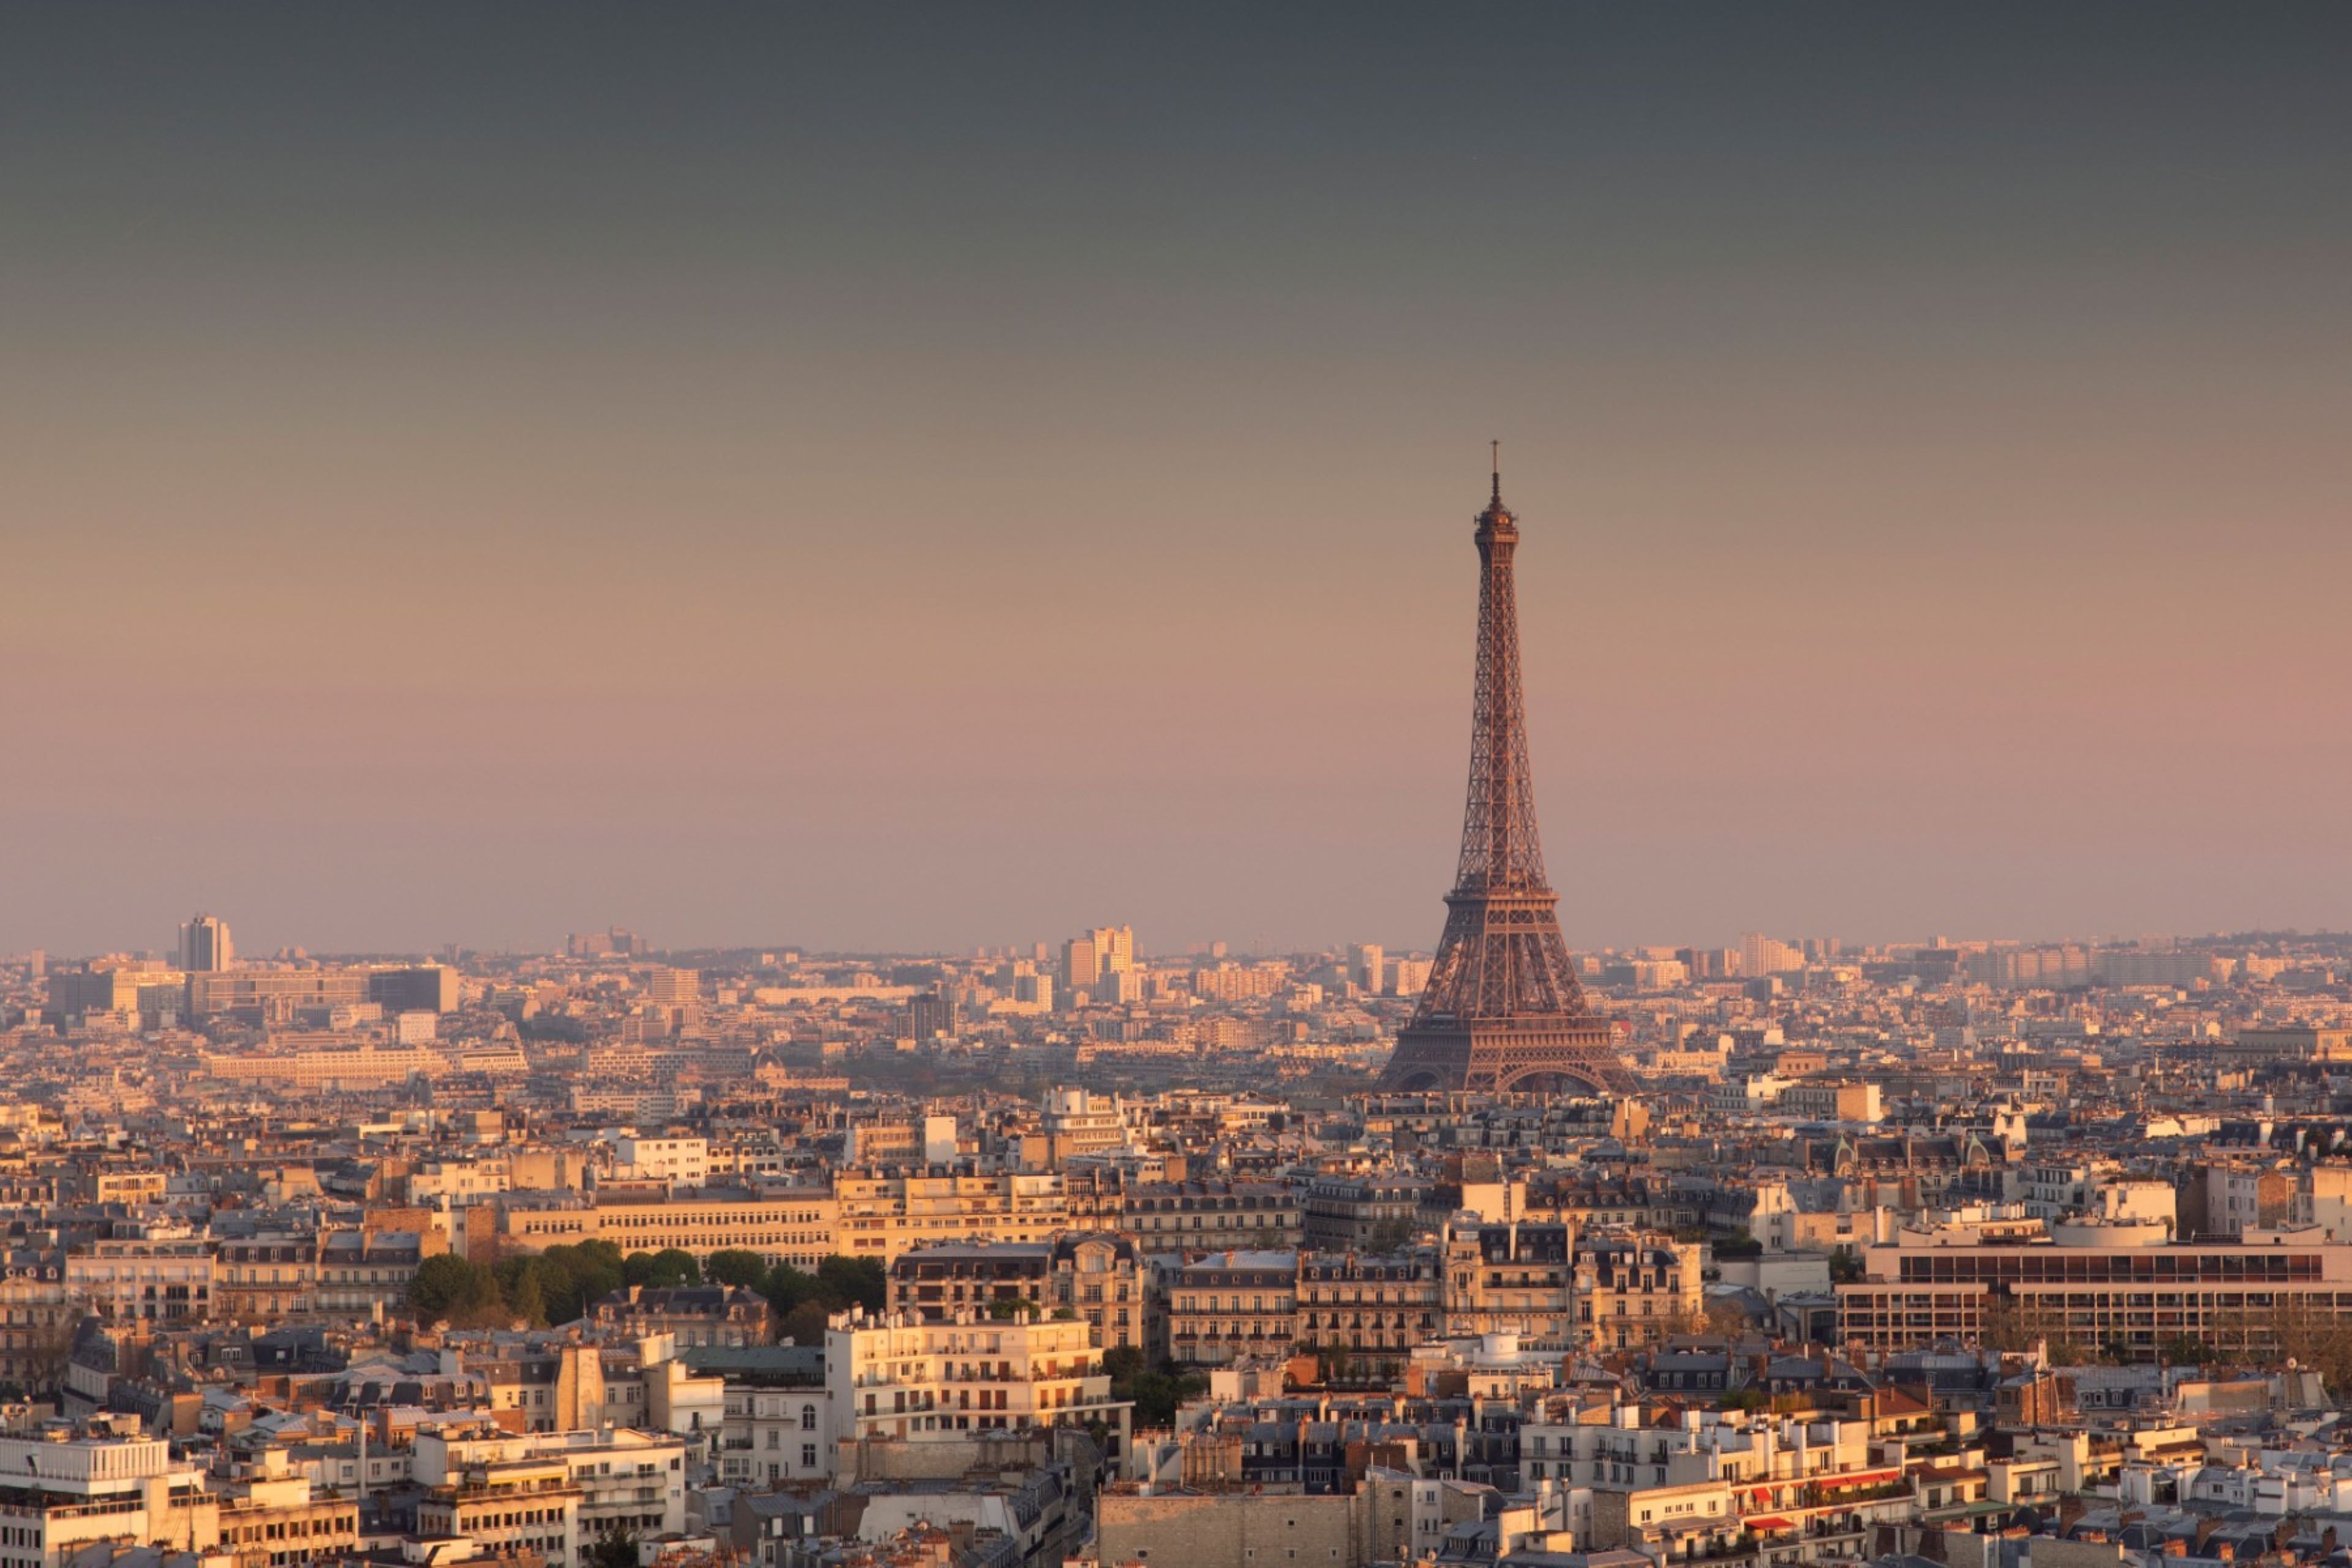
[{"x": 914, "y": 477}]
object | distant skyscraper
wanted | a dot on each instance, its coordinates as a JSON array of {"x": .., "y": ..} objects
[
  {"x": 1503, "y": 1008},
  {"x": 931, "y": 1015},
  {"x": 674, "y": 987},
  {"x": 1114, "y": 949},
  {"x": 1080, "y": 964},
  {"x": 205, "y": 947},
  {"x": 1762, "y": 954},
  {"x": 1367, "y": 967}
]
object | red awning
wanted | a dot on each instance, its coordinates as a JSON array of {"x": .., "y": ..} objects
[{"x": 1775, "y": 1522}]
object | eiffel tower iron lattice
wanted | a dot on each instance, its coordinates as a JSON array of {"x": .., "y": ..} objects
[{"x": 1503, "y": 1009}]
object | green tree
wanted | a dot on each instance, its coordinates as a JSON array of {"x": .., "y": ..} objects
[
  {"x": 786, "y": 1288},
  {"x": 521, "y": 1282},
  {"x": 805, "y": 1324},
  {"x": 1158, "y": 1394},
  {"x": 1390, "y": 1236},
  {"x": 446, "y": 1286},
  {"x": 855, "y": 1281},
  {"x": 572, "y": 1277},
  {"x": 617, "y": 1550},
  {"x": 733, "y": 1266},
  {"x": 1123, "y": 1364},
  {"x": 667, "y": 1269}
]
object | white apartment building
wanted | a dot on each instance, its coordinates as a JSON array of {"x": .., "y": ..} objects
[
  {"x": 776, "y": 1434},
  {"x": 58, "y": 1495},
  {"x": 553, "y": 1492},
  {"x": 897, "y": 1376},
  {"x": 680, "y": 1161},
  {"x": 1809, "y": 1488}
]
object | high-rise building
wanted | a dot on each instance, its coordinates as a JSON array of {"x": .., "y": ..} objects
[
  {"x": 205, "y": 947},
  {"x": 1081, "y": 964},
  {"x": 1114, "y": 949},
  {"x": 1366, "y": 966},
  {"x": 666, "y": 987},
  {"x": 929, "y": 1014},
  {"x": 1761, "y": 954},
  {"x": 1503, "y": 1008}
]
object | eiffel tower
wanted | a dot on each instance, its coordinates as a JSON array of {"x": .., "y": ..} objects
[{"x": 1503, "y": 1009}]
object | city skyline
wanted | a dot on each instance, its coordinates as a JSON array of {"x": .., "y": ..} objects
[{"x": 474, "y": 477}]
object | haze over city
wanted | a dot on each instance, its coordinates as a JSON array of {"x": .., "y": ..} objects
[
  {"x": 1032, "y": 786},
  {"x": 914, "y": 480}
]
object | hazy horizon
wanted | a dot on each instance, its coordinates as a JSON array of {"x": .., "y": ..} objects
[{"x": 918, "y": 478}]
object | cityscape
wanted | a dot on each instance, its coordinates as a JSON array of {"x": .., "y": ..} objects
[{"x": 1488, "y": 1243}]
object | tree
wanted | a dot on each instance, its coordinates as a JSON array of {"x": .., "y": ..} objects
[
  {"x": 733, "y": 1266},
  {"x": 805, "y": 1324},
  {"x": 786, "y": 1288},
  {"x": 617, "y": 1550},
  {"x": 572, "y": 1277},
  {"x": 446, "y": 1286},
  {"x": 855, "y": 1281},
  {"x": 1123, "y": 1364},
  {"x": 1389, "y": 1236},
  {"x": 665, "y": 1271},
  {"x": 1846, "y": 1267},
  {"x": 523, "y": 1282},
  {"x": 527, "y": 1301},
  {"x": 1157, "y": 1395}
]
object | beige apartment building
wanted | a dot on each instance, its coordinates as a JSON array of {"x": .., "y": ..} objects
[
  {"x": 787, "y": 1224},
  {"x": 883, "y": 1214}
]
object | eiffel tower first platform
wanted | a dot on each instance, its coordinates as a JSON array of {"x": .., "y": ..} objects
[{"x": 1503, "y": 1009}]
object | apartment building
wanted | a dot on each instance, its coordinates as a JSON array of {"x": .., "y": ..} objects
[
  {"x": 161, "y": 1279},
  {"x": 777, "y": 1420},
  {"x": 1515, "y": 1278},
  {"x": 1372, "y": 1304},
  {"x": 269, "y": 1517},
  {"x": 1806, "y": 1486},
  {"x": 784, "y": 1224},
  {"x": 550, "y": 1492},
  {"x": 896, "y": 1376},
  {"x": 1199, "y": 1216},
  {"x": 1226, "y": 1307},
  {"x": 260, "y": 1279},
  {"x": 68, "y": 1489},
  {"x": 1096, "y": 1277},
  {"x": 883, "y": 1214},
  {"x": 1633, "y": 1288},
  {"x": 694, "y": 1316}
]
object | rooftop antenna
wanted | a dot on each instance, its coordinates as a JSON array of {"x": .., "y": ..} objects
[{"x": 1495, "y": 449}]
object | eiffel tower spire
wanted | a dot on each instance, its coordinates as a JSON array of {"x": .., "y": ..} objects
[{"x": 1503, "y": 1008}]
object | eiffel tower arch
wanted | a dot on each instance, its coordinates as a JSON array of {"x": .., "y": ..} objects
[{"x": 1503, "y": 1009}]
